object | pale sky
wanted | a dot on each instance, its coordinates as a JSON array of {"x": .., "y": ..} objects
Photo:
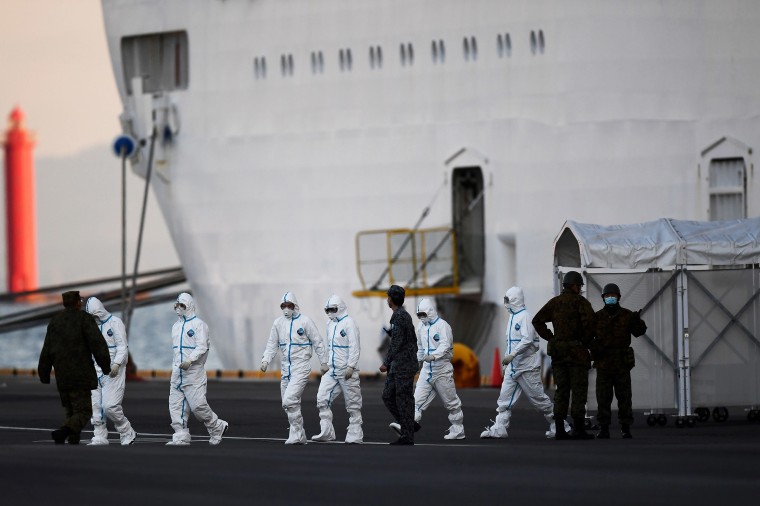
[{"x": 54, "y": 63}]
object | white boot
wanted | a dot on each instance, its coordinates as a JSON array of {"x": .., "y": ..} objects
[
  {"x": 455, "y": 432},
  {"x": 218, "y": 432},
  {"x": 355, "y": 434},
  {"x": 128, "y": 437},
  {"x": 327, "y": 432},
  {"x": 99, "y": 436},
  {"x": 499, "y": 428},
  {"x": 296, "y": 436},
  {"x": 180, "y": 438}
]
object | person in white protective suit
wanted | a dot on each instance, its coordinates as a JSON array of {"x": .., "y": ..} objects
[
  {"x": 435, "y": 348},
  {"x": 522, "y": 369},
  {"x": 187, "y": 390},
  {"x": 106, "y": 399},
  {"x": 294, "y": 334},
  {"x": 343, "y": 345}
]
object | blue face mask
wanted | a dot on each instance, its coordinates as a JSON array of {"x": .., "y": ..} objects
[{"x": 610, "y": 301}]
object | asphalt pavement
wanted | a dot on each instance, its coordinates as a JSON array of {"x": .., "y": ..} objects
[{"x": 712, "y": 463}]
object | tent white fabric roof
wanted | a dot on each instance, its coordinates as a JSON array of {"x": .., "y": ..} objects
[{"x": 661, "y": 243}]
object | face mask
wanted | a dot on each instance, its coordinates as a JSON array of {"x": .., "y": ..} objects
[
  {"x": 179, "y": 310},
  {"x": 288, "y": 313},
  {"x": 425, "y": 320},
  {"x": 610, "y": 301}
]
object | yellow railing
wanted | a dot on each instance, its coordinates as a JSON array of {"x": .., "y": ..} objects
[{"x": 423, "y": 261}]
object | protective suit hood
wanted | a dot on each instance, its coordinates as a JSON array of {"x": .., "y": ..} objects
[
  {"x": 187, "y": 300},
  {"x": 514, "y": 299},
  {"x": 291, "y": 297},
  {"x": 428, "y": 307},
  {"x": 335, "y": 301},
  {"x": 94, "y": 307}
]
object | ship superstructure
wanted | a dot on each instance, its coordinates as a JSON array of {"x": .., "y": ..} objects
[{"x": 284, "y": 128}]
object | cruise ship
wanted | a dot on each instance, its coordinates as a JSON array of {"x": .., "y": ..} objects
[{"x": 339, "y": 146}]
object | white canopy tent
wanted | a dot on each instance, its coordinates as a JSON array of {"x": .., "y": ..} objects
[{"x": 698, "y": 285}]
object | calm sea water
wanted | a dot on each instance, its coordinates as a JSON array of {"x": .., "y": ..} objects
[{"x": 150, "y": 340}]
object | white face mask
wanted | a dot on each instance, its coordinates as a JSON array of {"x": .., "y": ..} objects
[
  {"x": 425, "y": 320},
  {"x": 180, "y": 312},
  {"x": 288, "y": 313}
]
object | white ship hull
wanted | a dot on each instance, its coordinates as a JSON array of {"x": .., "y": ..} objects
[{"x": 268, "y": 179}]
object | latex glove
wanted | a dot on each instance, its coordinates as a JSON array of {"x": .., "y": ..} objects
[
  {"x": 349, "y": 372},
  {"x": 506, "y": 360},
  {"x": 264, "y": 365},
  {"x": 185, "y": 365},
  {"x": 428, "y": 358},
  {"x": 324, "y": 368},
  {"x": 114, "y": 370}
]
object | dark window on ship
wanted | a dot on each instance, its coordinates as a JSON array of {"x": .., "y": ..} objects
[
  {"x": 504, "y": 45},
  {"x": 345, "y": 60},
  {"x": 438, "y": 51},
  {"x": 286, "y": 65},
  {"x": 375, "y": 57},
  {"x": 161, "y": 59},
  {"x": 470, "y": 47},
  {"x": 260, "y": 67},
  {"x": 406, "y": 52},
  {"x": 317, "y": 62},
  {"x": 728, "y": 189},
  {"x": 537, "y": 43}
]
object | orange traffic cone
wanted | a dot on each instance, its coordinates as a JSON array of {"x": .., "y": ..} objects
[{"x": 496, "y": 376}]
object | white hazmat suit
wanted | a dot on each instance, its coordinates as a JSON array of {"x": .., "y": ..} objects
[
  {"x": 106, "y": 399},
  {"x": 435, "y": 348},
  {"x": 294, "y": 334},
  {"x": 522, "y": 373},
  {"x": 187, "y": 391},
  {"x": 344, "y": 348}
]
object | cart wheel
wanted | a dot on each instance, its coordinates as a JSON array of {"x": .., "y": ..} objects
[
  {"x": 587, "y": 424},
  {"x": 662, "y": 420},
  {"x": 691, "y": 422},
  {"x": 651, "y": 420},
  {"x": 703, "y": 414},
  {"x": 720, "y": 414},
  {"x": 680, "y": 422}
]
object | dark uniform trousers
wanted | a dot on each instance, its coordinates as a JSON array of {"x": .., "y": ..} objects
[
  {"x": 567, "y": 378},
  {"x": 398, "y": 396},
  {"x": 620, "y": 381},
  {"x": 78, "y": 407}
]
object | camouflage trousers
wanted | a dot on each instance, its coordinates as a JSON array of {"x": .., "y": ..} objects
[
  {"x": 78, "y": 407},
  {"x": 398, "y": 396},
  {"x": 620, "y": 381},
  {"x": 570, "y": 378}
]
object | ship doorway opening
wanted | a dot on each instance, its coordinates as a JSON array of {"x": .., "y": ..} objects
[{"x": 468, "y": 218}]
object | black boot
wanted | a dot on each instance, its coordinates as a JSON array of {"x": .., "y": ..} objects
[
  {"x": 579, "y": 431},
  {"x": 60, "y": 435},
  {"x": 627, "y": 432},
  {"x": 604, "y": 432},
  {"x": 559, "y": 429}
]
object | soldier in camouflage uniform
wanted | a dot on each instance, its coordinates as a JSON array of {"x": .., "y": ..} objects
[
  {"x": 613, "y": 359},
  {"x": 401, "y": 365},
  {"x": 71, "y": 341},
  {"x": 572, "y": 317}
]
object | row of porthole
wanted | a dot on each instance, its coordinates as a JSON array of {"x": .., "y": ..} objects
[{"x": 406, "y": 54}]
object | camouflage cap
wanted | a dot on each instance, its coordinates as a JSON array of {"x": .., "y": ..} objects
[{"x": 71, "y": 298}]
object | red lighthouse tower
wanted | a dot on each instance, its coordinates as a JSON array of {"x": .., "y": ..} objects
[{"x": 21, "y": 222}]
